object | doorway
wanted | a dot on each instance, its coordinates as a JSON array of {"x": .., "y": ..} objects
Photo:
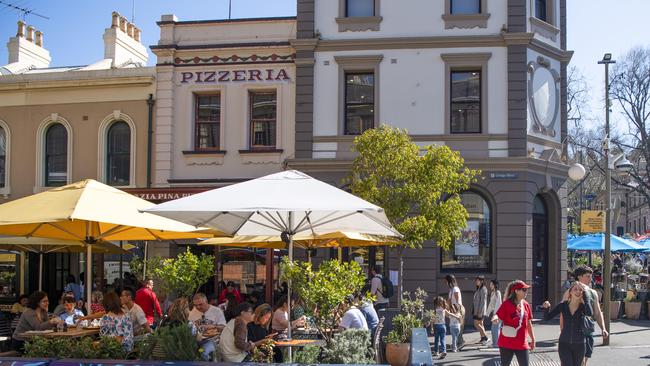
[{"x": 540, "y": 253}]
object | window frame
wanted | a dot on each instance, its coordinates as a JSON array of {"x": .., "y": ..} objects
[
  {"x": 548, "y": 27},
  {"x": 357, "y": 64},
  {"x": 451, "y": 108},
  {"x": 358, "y": 24},
  {"x": 466, "y": 21},
  {"x": 102, "y": 146},
  {"x": 347, "y": 104},
  {"x": 6, "y": 182},
  {"x": 109, "y": 154},
  {"x": 46, "y": 156},
  {"x": 491, "y": 205},
  {"x": 251, "y": 146},
  {"x": 40, "y": 149},
  {"x": 467, "y": 62},
  {"x": 195, "y": 122}
]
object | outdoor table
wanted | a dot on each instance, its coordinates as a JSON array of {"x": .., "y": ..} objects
[
  {"x": 300, "y": 343},
  {"x": 71, "y": 333}
]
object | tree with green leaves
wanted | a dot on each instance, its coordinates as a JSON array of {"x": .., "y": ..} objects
[
  {"x": 418, "y": 187},
  {"x": 324, "y": 290}
]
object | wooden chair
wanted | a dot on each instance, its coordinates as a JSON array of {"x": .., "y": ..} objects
[{"x": 376, "y": 341}]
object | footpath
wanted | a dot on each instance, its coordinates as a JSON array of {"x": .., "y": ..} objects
[{"x": 629, "y": 346}]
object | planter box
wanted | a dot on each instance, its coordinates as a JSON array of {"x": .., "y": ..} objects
[
  {"x": 632, "y": 310},
  {"x": 614, "y": 309},
  {"x": 397, "y": 354}
]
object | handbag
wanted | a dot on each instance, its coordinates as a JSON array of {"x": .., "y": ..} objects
[
  {"x": 511, "y": 332},
  {"x": 588, "y": 325}
]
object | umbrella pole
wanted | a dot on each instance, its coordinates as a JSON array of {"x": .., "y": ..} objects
[
  {"x": 289, "y": 285},
  {"x": 40, "y": 271},
  {"x": 89, "y": 267}
]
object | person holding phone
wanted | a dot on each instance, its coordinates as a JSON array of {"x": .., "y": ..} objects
[
  {"x": 258, "y": 329},
  {"x": 234, "y": 345}
]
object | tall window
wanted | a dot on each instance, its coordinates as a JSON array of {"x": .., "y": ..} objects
[
  {"x": 207, "y": 122},
  {"x": 465, "y": 6},
  {"x": 359, "y": 102},
  {"x": 56, "y": 155},
  {"x": 263, "y": 120},
  {"x": 540, "y": 10},
  {"x": 360, "y": 8},
  {"x": 472, "y": 249},
  {"x": 465, "y": 101},
  {"x": 3, "y": 157},
  {"x": 118, "y": 154}
]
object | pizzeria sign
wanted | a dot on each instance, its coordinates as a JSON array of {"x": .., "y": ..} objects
[{"x": 229, "y": 76}]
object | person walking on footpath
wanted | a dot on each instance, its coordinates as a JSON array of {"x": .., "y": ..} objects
[
  {"x": 454, "y": 326},
  {"x": 478, "y": 310},
  {"x": 147, "y": 300},
  {"x": 455, "y": 298},
  {"x": 573, "y": 314},
  {"x": 494, "y": 302},
  {"x": 377, "y": 288},
  {"x": 584, "y": 275},
  {"x": 439, "y": 328},
  {"x": 516, "y": 315}
]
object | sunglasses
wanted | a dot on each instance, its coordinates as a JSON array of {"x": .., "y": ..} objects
[{"x": 523, "y": 289}]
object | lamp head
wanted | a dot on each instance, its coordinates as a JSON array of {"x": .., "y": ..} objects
[
  {"x": 577, "y": 172},
  {"x": 607, "y": 57},
  {"x": 623, "y": 165}
]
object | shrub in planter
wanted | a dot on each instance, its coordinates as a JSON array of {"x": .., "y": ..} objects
[
  {"x": 399, "y": 338},
  {"x": 177, "y": 343},
  {"x": 308, "y": 355},
  {"x": 84, "y": 347},
  {"x": 351, "y": 346},
  {"x": 263, "y": 353}
]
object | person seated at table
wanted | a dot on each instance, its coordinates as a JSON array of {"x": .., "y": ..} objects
[
  {"x": 71, "y": 314},
  {"x": 115, "y": 322},
  {"x": 20, "y": 305},
  {"x": 369, "y": 313},
  {"x": 96, "y": 299},
  {"x": 178, "y": 315},
  {"x": 138, "y": 318},
  {"x": 33, "y": 318},
  {"x": 258, "y": 329},
  {"x": 353, "y": 317},
  {"x": 280, "y": 322},
  {"x": 206, "y": 315},
  {"x": 234, "y": 345},
  {"x": 229, "y": 307},
  {"x": 230, "y": 288},
  {"x": 59, "y": 309}
]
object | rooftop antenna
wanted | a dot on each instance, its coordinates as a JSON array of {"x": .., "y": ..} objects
[
  {"x": 229, "y": 9},
  {"x": 24, "y": 11},
  {"x": 133, "y": 11}
]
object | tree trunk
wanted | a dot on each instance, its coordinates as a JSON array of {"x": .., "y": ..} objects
[{"x": 400, "y": 282}]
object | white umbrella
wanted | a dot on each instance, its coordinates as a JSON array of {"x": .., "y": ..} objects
[{"x": 285, "y": 203}]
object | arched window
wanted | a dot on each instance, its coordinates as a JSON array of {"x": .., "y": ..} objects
[
  {"x": 3, "y": 157},
  {"x": 56, "y": 155},
  {"x": 472, "y": 250},
  {"x": 118, "y": 154}
]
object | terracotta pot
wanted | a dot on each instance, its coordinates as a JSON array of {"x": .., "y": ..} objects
[
  {"x": 614, "y": 308},
  {"x": 397, "y": 354},
  {"x": 632, "y": 309}
]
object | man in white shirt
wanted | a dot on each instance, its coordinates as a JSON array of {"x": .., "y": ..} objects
[
  {"x": 375, "y": 289},
  {"x": 353, "y": 317},
  {"x": 208, "y": 315},
  {"x": 139, "y": 320}
]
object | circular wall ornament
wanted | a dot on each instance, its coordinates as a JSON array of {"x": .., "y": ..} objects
[{"x": 543, "y": 96}]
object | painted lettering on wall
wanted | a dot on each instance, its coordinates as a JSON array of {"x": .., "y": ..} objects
[{"x": 225, "y": 76}]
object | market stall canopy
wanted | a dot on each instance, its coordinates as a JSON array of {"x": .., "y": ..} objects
[
  {"x": 597, "y": 242},
  {"x": 305, "y": 241}
]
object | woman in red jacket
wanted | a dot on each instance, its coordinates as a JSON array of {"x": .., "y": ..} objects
[{"x": 516, "y": 315}]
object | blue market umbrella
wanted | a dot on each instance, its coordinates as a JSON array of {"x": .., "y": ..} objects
[{"x": 597, "y": 242}]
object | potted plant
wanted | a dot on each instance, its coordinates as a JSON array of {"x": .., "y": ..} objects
[
  {"x": 398, "y": 340},
  {"x": 614, "y": 309},
  {"x": 632, "y": 306}
]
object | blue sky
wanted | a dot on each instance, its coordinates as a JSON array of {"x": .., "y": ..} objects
[{"x": 73, "y": 34}]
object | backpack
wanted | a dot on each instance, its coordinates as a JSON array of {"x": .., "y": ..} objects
[{"x": 387, "y": 290}]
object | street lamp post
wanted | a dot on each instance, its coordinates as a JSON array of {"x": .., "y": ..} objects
[{"x": 607, "y": 257}]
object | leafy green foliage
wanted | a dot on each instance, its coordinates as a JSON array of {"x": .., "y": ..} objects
[
  {"x": 412, "y": 315},
  {"x": 263, "y": 353},
  {"x": 177, "y": 343},
  {"x": 419, "y": 192},
  {"x": 323, "y": 290},
  {"x": 84, "y": 347},
  {"x": 351, "y": 346},
  {"x": 307, "y": 355}
]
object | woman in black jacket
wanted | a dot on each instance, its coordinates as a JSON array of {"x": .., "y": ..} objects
[{"x": 573, "y": 313}]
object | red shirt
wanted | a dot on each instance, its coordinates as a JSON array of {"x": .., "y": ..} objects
[
  {"x": 509, "y": 314},
  {"x": 222, "y": 295},
  {"x": 96, "y": 308},
  {"x": 148, "y": 301}
]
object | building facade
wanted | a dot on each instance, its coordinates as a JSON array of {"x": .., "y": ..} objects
[
  {"x": 484, "y": 77},
  {"x": 59, "y": 125}
]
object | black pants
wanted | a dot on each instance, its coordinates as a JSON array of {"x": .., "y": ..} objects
[
  {"x": 571, "y": 354},
  {"x": 18, "y": 345},
  {"x": 507, "y": 354},
  {"x": 589, "y": 346}
]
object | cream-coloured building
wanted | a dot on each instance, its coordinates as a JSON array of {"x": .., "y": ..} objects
[{"x": 62, "y": 124}]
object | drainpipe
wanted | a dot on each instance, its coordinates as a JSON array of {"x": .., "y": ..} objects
[{"x": 150, "y": 103}]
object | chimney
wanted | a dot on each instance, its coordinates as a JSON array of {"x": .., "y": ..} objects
[
  {"x": 27, "y": 47},
  {"x": 122, "y": 42}
]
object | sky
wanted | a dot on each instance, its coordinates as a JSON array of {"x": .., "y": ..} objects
[{"x": 73, "y": 32}]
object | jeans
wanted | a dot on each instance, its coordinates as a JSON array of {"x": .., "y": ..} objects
[
  {"x": 571, "y": 354},
  {"x": 208, "y": 349},
  {"x": 439, "y": 333},
  {"x": 506, "y": 356},
  {"x": 495, "y": 328},
  {"x": 454, "y": 329}
]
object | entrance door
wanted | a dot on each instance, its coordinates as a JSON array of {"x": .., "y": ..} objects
[{"x": 540, "y": 253}]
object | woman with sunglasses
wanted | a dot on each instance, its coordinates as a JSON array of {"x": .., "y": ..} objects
[
  {"x": 516, "y": 315},
  {"x": 572, "y": 318}
]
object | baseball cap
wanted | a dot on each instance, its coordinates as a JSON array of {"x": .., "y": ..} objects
[{"x": 518, "y": 285}]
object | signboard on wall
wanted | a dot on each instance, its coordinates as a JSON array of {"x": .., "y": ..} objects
[{"x": 592, "y": 221}]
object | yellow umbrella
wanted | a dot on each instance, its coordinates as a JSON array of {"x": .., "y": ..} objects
[
  {"x": 46, "y": 245},
  {"x": 89, "y": 211}
]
